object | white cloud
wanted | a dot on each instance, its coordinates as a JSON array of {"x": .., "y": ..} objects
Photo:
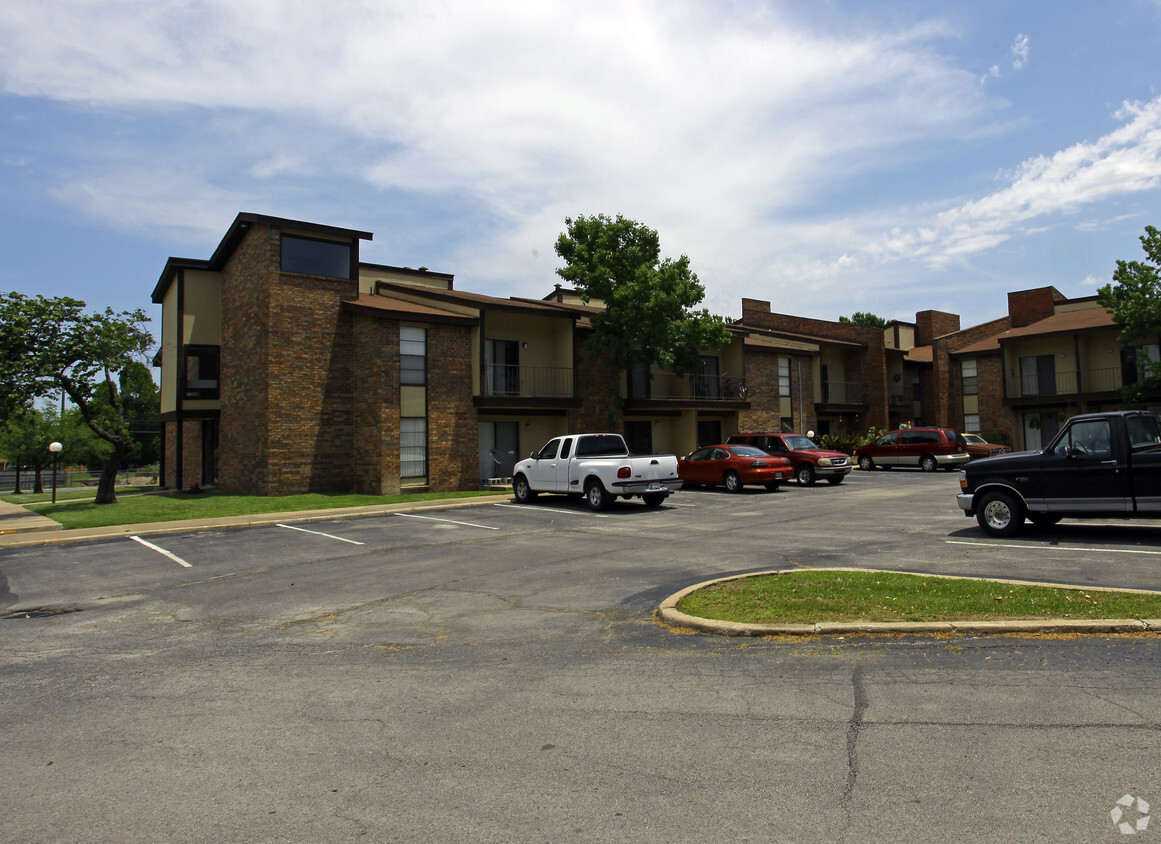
[{"x": 1019, "y": 51}]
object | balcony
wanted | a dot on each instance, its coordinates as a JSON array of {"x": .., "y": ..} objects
[
  {"x": 1064, "y": 383},
  {"x": 843, "y": 392},
  {"x": 527, "y": 382},
  {"x": 667, "y": 386}
]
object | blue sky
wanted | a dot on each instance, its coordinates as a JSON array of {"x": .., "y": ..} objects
[{"x": 830, "y": 157}]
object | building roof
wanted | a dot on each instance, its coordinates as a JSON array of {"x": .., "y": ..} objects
[
  {"x": 919, "y": 354},
  {"x": 1062, "y": 322},
  {"x": 388, "y": 307},
  {"x": 476, "y": 300},
  {"x": 242, "y": 223}
]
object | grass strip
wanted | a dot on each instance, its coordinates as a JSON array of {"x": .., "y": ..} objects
[
  {"x": 809, "y": 597},
  {"x": 179, "y": 506}
]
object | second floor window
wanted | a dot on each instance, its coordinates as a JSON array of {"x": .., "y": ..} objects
[
  {"x": 412, "y": 355},
  {"x": 201, "y": 371},
  {"x": 971, "y": 386}
]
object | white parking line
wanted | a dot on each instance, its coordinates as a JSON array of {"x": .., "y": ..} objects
[
  {"x": 1054, "y": 548},
  {"x": 450, "y": 521},
  {"x": 320, "y": 533},
  {"x": 566, "y": 512},
  {"x": 163, "y": 552}
]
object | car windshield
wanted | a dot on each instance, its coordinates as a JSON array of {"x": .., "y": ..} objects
[
  {"x": 747, "y": 451},
  {"x": 976, "y": 439},
  {"x": 797, "y": 442}
]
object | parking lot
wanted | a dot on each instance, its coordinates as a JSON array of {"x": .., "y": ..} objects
[{"x": 494, "y": 673}]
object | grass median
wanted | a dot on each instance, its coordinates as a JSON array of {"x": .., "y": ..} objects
[
  {"x": 131, "y": 509},
  {"x": 809, "y": 597}
]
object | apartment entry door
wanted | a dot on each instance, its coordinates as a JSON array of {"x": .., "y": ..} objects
[{"x": 499, "y": 444}]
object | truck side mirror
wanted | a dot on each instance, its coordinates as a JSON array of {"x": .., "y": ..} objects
[{"x": 534, "y": 455}]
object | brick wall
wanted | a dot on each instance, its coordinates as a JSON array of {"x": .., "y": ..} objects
[
  {"x": 375, "y": 406},
  {"x": 453, "y": 436},
  {"x": 1028, "y": 306},
  {"x": 932, "y": 324},
  {"x": 599, "y": 387}
]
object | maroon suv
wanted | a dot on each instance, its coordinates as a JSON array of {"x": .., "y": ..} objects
[
  {"x": 809, "y": 461},
  {"x": 927, "y": 448}
]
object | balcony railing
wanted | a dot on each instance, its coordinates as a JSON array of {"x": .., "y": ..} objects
[
  {"x": 693, "y": 387},
  {"x": 541, "y": 382},
  {"x": 1065, "y": 383}
]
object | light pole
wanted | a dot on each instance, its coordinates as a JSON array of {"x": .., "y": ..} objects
[{"x": 55, "y": 448}]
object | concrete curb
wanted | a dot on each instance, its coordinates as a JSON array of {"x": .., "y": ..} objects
[
  {"x": 668, "y": 614},
  {"x": 58, "y": 536}
]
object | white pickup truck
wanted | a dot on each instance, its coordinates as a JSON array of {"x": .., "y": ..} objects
[{"x": 597, "y": 466}]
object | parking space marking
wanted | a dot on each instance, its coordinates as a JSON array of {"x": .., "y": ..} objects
[
  {"x": 163, "y": 552},
  {"x": 566, "y": 512},
  {"x": 1055, "y": 548},
  {"x": 450, "y": 521},
  {"x": 320, "y": 533}
]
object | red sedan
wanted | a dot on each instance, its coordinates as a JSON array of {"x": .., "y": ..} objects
[{"x": 733, "y": 466}]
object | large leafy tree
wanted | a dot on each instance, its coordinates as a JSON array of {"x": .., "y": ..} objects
[
  {"x": 1134, "y": 300},
  {"x": 864, "y": 319},
  {"x": 26, "y": 433},
  {"x": 649, "y": 316},
  {"x": 53, "y": 344}
]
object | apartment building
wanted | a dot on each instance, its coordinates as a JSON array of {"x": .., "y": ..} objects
[{"x": 288, "y": 365}]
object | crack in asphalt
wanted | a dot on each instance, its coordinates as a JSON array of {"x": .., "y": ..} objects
[{"x": 854, "y": 727}]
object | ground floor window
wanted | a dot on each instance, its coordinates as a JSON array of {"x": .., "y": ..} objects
[{"x": 413, "y": 447}]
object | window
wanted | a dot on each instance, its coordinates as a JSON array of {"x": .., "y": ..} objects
[
  {"x": 1087, "y": 439},
  {"x": 316, "y": 257},
  {"x": 412, "y": 355},
  {"x": 784, "y": 376},
  {"x": 971, "y": 422},
  {"x": 970, "y": 379},
  {"x": 413, "y": 447},
  {"x": 1137, "y": 362},
  {"x": 201, "y": 371}
]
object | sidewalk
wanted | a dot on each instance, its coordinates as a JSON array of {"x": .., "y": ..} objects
[{"x": 20, "y": 528}]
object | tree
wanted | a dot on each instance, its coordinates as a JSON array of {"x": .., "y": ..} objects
[
  {"x": 48, "y": 345},
  {"x": 648, "y": 316},
  {"x": 866, "y": 320},
  {"x": 1134, "y": 300},
  {"x": 141, "y": 404}
]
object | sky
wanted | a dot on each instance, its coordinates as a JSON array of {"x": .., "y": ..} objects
[{"x": 829, "y": 157}]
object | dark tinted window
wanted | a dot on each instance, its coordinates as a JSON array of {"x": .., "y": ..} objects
[{"x": 316, "y": 257}]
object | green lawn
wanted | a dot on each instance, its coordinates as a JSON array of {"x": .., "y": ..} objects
[
  {"x": 808, "y": 597},
  {"x": 173, "y": 506}
]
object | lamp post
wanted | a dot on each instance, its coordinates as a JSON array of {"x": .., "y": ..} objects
[{"x": 55, "y": 448}]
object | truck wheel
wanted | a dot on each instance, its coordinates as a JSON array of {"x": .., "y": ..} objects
[
  {"x": 928, "y": 463},
  {"x": 653, "y": 499},
  {"x": 523, "y": 492},
  {"x": 733, "y": 482},
  {"x": 866, "y": 463},
  {"x": 1000, "y": 514},
  {"x": 804, "y": 474},
  {"x": 596, "y": 496}
]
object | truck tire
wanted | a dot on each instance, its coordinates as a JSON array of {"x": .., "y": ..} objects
[
  {"x": 733, "y": 482},
  {"x": 804, "y": 474},
  {"x": 1000, "y": 514},
  {"x": 596, "y": 496},
  {"x": 523, "y": 492},
  {"x": 928, "y": 463},
  {"x": 866, "y": 463}
]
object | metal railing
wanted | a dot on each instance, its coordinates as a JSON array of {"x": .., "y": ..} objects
[
  {"x": 544, "y": 382},
  {"x": 667, "y": 385},
  {"x": 1065, "y": 382}
]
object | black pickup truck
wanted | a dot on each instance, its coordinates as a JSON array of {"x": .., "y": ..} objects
[{"x": 1101, "y": 465}]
